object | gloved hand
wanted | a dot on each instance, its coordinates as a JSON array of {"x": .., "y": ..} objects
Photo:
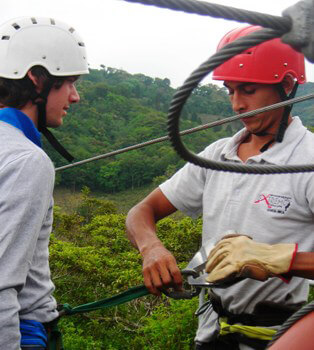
[{"x": 239, "y": 256}]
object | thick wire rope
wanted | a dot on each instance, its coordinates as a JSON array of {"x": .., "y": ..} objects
[
  {"x": 291, "y": 321},
  {"x": 281, "y": 25},
  {"x": 219, "y": 11},
  {"x": 188, "y": 131},
  {"x": 184, "y": 92}
]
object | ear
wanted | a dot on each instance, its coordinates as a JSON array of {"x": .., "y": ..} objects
[
  {"x": 288, "y": 83},
  {"x": 36, "y": 81}
]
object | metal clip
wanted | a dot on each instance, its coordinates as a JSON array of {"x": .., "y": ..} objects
[{"x": 184, "y": 293}]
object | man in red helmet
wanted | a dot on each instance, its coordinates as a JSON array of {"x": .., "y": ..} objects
[{"x": 271, "y": 216}]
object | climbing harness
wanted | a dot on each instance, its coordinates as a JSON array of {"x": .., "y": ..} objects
[{"x": 262, "y": 333}]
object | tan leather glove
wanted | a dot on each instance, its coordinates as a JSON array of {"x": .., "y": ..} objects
[{"x": 239, "y": 256}]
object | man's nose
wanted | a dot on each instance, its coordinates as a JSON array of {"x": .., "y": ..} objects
[
  {"x": 237, "y": 102},
  {"x": 74, "y": 97}
]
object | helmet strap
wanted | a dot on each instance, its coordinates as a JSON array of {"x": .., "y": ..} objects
[
  {"x": 41, "y": 101},
  {"x": 285, "y": 116},
  {"x": 287, "y": 110}
]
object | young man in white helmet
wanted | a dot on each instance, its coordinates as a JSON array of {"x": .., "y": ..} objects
[
  {"x": 275, "y": 211},
  {"x": 40, "y": 60}
]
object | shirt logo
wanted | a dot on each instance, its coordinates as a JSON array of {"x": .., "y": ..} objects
[{"x": 274, "y": 203}]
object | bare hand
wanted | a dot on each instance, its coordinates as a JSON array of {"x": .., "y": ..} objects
[{"x": 160, "y": 269}]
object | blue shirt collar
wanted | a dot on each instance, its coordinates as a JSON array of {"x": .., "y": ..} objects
[{"x": 22, "y": 122}]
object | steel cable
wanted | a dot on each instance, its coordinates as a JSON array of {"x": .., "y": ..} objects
[
  {"x": 185, "y": 91},
  {"x": 219, "y": 11},
  {"x": 187, "y": 132},
  {"x": 280, "y": 26},
  {"x": 291, "y": 321}
]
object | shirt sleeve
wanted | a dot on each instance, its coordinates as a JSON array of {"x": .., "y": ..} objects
[
  {"x": 26, "y": 188},
  {"x": 185, "y": 189}
]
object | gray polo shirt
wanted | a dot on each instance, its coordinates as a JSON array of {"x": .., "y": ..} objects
[
  {"x": 269, "y": 208},
  {"x": 27, "y": 179}
]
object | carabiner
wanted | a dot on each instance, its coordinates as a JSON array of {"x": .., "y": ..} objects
[{"x": 184, "y": 293}]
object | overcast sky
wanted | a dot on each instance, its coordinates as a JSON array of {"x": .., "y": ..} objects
[{"x": 143, "y": 39}]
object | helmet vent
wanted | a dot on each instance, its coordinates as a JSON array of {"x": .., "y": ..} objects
[
  {"x": 5, "y": 37},
  {"x": 52, "y": 21},
  {"x": 249, "y": 53},
  {"x": 81, "y": 44},
  {"x": 33, "y": 20},
  {"x": 71, "y": 30},
  {"x": 16, "y": 26}
]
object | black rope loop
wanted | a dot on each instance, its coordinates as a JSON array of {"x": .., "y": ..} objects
[
  {"x": 192, "y": 82},
  {"x": 291, "y": 321},
  {"x": 279, "y": 25}
]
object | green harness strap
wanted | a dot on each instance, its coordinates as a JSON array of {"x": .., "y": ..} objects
[
  {"x": 130, "y": 294},
  {"x": 55, "y": 336}
]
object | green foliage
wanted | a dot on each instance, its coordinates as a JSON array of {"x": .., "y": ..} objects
[
  {"x": 91, "y": 259},
  {"x": 305, "y": 110},
  {"x": 171, "y": 326},
  {"x": 118, "y": 110},
  {"x": 90, "y": 207},
  {"x": 311, "y": 294},
  {"x": 76, "y": 338}
]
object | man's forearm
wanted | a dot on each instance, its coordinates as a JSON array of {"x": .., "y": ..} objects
[
  {"x": 141, "y": 227},
  {"x": 303, "y": 265}
]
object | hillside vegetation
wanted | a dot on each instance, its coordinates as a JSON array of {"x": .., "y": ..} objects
[
  {"x": 118, "y": 109},
  {"x": 91, "y": 259}
]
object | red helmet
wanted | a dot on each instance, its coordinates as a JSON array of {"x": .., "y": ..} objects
[{"x": 266, "y": 63}]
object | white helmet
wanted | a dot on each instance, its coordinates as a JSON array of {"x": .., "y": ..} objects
[{"x": 26, "y": 42}]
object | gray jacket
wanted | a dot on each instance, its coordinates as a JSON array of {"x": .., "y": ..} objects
[{"x": 26, "y": 186}]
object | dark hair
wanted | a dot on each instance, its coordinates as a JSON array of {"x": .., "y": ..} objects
[{"x": 17, "y": 92}]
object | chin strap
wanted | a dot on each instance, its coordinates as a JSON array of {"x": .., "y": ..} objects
[
  {"x": 284, "y": 119},
  {"x": 41, "y": 101}
]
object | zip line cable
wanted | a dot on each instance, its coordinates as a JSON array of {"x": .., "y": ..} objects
[
  {"x": 279, "y": 25},
  {"x": 305, "y": 310},
  {"x": 184, "y": 92},
  {"x": 189, "y": 131},
  {"x": 220, "y": 11}
]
